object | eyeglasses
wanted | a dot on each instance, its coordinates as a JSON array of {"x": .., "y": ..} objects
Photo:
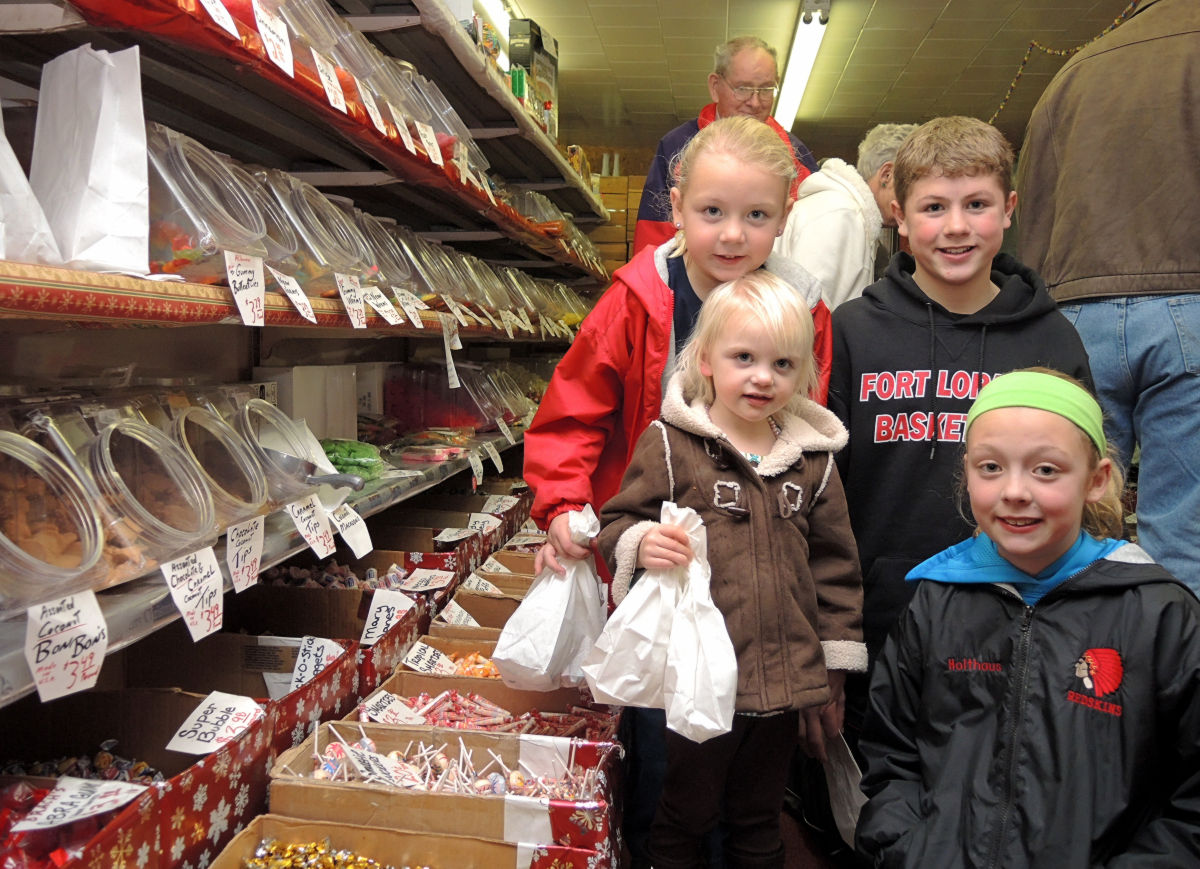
[{"x": 745, "y": 93}]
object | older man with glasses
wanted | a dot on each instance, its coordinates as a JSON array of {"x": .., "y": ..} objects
[{"x": 744, "y": 81}]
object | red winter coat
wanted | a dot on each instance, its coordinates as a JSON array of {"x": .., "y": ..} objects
[{"x": 608, "y": 387}]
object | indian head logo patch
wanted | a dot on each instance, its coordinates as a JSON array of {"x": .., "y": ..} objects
[{"x": 1101, "y": 671}]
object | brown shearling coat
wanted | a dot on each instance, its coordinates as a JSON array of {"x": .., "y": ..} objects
[{"x": 785, "y": 570}]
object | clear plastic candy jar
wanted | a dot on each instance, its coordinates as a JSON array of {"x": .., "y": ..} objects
[{"x": 234, "y": 476}]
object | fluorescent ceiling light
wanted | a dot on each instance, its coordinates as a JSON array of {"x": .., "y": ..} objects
[{"x": 805, "y": 45}]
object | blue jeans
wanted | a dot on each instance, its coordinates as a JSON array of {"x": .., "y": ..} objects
[{"x": 1144, "y": 353}]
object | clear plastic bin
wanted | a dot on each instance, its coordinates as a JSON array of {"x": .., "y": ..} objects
[
  {"x": 51, "y": 538},
  {"x": 280, "y": 239},
  {"x": 234, "y": 476},
  {"x": 264, "y": 426},
  {"x": 198, "y": 210}
]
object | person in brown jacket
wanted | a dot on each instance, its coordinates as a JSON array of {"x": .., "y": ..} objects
[{"x": 741, "y": 444}]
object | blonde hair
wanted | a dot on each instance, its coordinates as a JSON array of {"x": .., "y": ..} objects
[
  {"x": 880, "y": 145},
  {"x": 727, "y": 51},
  {"x": 747, "y": 140},
  {"x": 1105, "y": 517},
  {"x": 953, "y": 147},
  {"x": 770, "y": 301}
]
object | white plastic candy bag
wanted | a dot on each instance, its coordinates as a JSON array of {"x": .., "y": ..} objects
[
  {"x": 543, "y": 643},
  {"x": 700, "y": 685}
]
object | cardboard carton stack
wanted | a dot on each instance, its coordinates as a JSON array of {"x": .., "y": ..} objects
[{"x": 611, "y": 239}]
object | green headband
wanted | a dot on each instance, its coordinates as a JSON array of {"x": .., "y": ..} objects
[{"x": 1043, "y": 392}]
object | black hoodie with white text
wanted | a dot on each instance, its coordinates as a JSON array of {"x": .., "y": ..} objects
[{"x": 905, "y": 373}]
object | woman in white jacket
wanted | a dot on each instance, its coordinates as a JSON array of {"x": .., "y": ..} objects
[{"x": 835, "y": 223}]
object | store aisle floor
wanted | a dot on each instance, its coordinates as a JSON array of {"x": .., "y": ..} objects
[{"x": 803, "y": 849}]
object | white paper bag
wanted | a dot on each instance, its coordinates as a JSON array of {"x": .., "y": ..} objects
[
  {"x": 89, "y": 167},
  {"x": 629, "y": 661},
  {"x": 544, "y": 642},
  {"x": 25, "y": 237},
  {"x": 843, "y": 777},
  {"x": 700, "y": 685}
]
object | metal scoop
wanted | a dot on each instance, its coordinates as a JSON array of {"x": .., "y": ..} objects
[{"x": 302, "y": 469}]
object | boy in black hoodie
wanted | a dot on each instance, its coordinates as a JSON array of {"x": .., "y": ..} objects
[{"x": 910, "y": 356}]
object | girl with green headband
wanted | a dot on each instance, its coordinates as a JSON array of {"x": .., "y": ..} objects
[{"x": 1038, "y": 704}]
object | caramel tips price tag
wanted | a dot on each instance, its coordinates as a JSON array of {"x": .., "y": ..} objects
[
  {"x": 295, "y": 295},
  {"x": 492, "y": 566},
  {"x": 386, "y": 708},
  {"x": 243, "y": 552},
  {"x": 449, "y": 336},
  {"x": 430, "y": 143},
  {"x": 426, "y": 659},
  {"x": 76, "y": 798},
  {"x": 475, "y": 582},
  {"x": 453, "y": 614},
  {"x": 476, "y": 465},
  {"x": 386, "y": 607},
  {"x": 314, "y": 655},
  {"x": 499, "y": 503},
  {"x": 484, "y": 523},
  {"x": 219, "y": 719},
  {"x": 245, "y": 275},
  {"x": 490, "y": 449},
  {"x": 402, "y": 127},
  {"x": 195, "y": 584},
  {"x": 352, "y": 299},
  {"x": 368, "y": 101},
  {"x": 424, "y": 579},
  {"x": 412, "y": 306},
  {"x": 65, "y": 642},
  {"x": 449, "y": 535},
  {"x": 452, "y": 305},
  {"x": 353, "y": 530},
  {"x": 221, "y": 15},
  {"x": 329, "y": 80},
  {"x": 275, "y": 38},
  {"x": 506, "y": 431},
  {"x": 377, "y": 300},
  {"x": 313, "y": 524}
]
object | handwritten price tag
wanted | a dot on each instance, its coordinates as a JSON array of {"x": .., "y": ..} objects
[
  {"x": 221, "y": 15},
  {"x": 352, "y": 299},
  {"x": 295, "y": 295},
  {"x": 450, "y": 535},
  {"x": 65, "y": 642},
  {"x": 476, "y": 465},
  {"x": 314, "y": 656},
  {"x": 423, "y": 579},
  {"x": 453, "y": 614},
  {"x": 455, "y": 309},
  {"x": 243, "y": 552},
  {"x": 313, "y": 524},
  {"x": 275, "y": 38},
  {"x": 492, "y": 566},
  {"x": 490, "y": 449},
  {"x": 402, "y": 127},
  {"x": 75, "y": 798},
  {"x": 508, "y": 321},
  {"x": 426, "y": 659},
  {"x": 411, "y": 304},
  {"x": 195, "y": 584},
  {"x": 484, "y": 523},
  {"x": 377, "y": 300},
  {"x": 430, "y": 143},
  {"x": 219, "y": 719},
  {"x": 368, "y": 101},
  {"x": 245, "y": 275},
  {"x": 386, "y": 708},
  {"x": 449, "y": 339},
  {"x": 353, "y": 530},
  {"x": 386, "y": 607},
  {"x": 506, "y": 431},
  {"x": 500, "y": 503},
  {"x": 329, "y": 80},
  {"x": 475, "y": 582}
]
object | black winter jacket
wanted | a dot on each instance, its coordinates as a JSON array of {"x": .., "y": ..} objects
[
  {"x": 901, "y": 360},
  {"x": 1061, "y": 735}
]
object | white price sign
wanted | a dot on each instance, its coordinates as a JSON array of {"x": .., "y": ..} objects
[
  {"x": 426, "y": 659},
  {"x": 316, "y": 653},
  {"x": 493, "y": 566},
  {"x": 219, "y": 719},
  {"x": 352, "y": 299},
  {"x": 490, "y": 449},
  {"x": 353, "y": 530},
  {"x": 195, "y": 584},
  {"x": 449, "y": 339},
  {"x": 452, "y": 306},
  {"x": 402, "y": 127},
  {"x": 507, "y": 432},
  {"x": 221, "y": 15},
  {"x": 313, "y": 524},
  {"x": 65, "y": 642},
  {"x": 500, "y": 503},
  {"x": 476, "y": 465},
  {"x": 423, "y": 579},
  {"x": 430, "y": 143},
  {"x": 450, "y": 535},
  {"x": 74, "y": 799},
  {"x": 387, "y": 708},
  {"x": 368, "y": 101},
  {"x": 329, "y": 80},
  {"x": 475, "y": 582},
  {"x": 386, "y": 607},
  {"x": 377, "y": 300},
  {"x": 295, "y": 295},
  {"x": 243, "y": 552},
  {"x": 484, "y": 523},
  {"x": 245, "y": 274},
  {"x": 412, "y": 306},
  {"x": 274, "y": 34},
  {"x": 453, "y": 614}
]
